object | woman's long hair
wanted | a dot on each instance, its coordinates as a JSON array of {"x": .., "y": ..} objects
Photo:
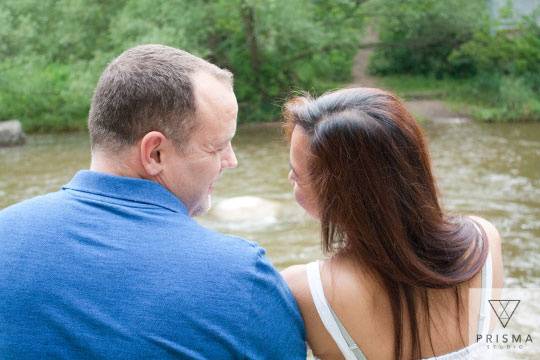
[{"x": 378, "y": 201}]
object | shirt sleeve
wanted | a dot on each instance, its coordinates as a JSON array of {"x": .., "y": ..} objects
[{"x": 279, "y": 333}]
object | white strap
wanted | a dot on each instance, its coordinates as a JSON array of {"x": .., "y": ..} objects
[
  {"x": 487, "y": 283},
  {"x": 317, "y": 293}
]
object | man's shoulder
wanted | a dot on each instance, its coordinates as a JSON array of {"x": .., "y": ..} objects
[
  {"x": 230, "y": 247},
  {"x": 234, "y": 243},
  {"x": 31, "y": 207}
]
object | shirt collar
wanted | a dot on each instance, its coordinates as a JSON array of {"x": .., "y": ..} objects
[{"x": 126, "y": 188}]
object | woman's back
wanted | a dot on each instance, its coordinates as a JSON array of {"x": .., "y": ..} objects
[{"x": 364, "y": 309}]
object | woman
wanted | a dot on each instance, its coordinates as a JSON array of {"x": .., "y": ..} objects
[{"x": 396, "y": 282}]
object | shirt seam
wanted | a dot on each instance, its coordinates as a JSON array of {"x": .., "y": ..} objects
[{"x": 117, "y": 198}]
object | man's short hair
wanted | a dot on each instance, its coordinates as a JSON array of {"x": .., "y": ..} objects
[{"x": 147, "y": 88}]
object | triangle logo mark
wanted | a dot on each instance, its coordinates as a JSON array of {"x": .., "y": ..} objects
[{"x": 504, "y": 309}]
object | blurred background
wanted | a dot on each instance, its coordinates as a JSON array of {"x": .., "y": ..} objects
[
  {"x": 469, "y": 70},
  {"x": 482, "y": 54}
]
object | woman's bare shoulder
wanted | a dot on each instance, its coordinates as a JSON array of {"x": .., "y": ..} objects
[
  {"x": 296, "y": 278},
  {"x": 320, "y": 341},
  {"x": 495, "y": 247},
  {"x": 489, "y": 228}
]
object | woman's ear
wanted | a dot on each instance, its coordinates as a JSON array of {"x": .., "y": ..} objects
[{"x": 150, "y": 147}]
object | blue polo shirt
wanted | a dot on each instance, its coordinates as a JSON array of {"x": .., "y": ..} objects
[{"x": 114, "y": 268}]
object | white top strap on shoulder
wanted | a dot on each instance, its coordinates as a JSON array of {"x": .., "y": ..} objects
[
  {"x": 330, "y": 322},
  {"x": 487, "y": 284}
]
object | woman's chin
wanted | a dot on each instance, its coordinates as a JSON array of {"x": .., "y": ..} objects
[
  {"x": 309, "y": 210},
  {"x": 313, "y": 215}
]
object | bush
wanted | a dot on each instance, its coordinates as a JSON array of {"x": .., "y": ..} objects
[
  {"x": 508, "y": 52},
  {"x": 499, "y": 71},
  {"x": 507, "y": 68},
  {"x": 504, "y": 98},
  {"x": 43, "y": 96},
  {"x": 417, "y": 36},
  {"x": 51, "y": 63}
]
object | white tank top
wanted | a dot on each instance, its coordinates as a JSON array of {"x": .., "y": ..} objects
[{"x": 346, "y": 344}]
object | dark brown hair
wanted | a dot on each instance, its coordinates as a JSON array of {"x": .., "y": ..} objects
[
  {"x": 378, "y": 200},
  {"x": 146, "y": 88}
]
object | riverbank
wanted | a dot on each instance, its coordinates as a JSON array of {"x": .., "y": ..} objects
[
  {"x": 474, "y": 97},
  {"x": 485, "y": 98}
]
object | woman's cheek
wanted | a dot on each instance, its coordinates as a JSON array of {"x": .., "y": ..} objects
[
  {"x": 298, "y": 195},
  {"x": 307, "y": 201}
]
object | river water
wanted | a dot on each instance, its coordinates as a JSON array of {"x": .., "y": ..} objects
[{"x": 492, "y": 170}]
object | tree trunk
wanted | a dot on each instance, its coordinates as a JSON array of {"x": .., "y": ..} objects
[{"x": 248, "y": 18}]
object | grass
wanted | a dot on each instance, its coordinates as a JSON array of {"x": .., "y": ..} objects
[{"x": 486, "y": 98}]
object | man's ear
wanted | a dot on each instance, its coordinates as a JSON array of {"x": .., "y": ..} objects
[{"x": 151, "y": 146}]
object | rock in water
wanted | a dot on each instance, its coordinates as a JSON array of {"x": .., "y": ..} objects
[
  {"x": 250, "y": 209},
  {"x": 11, "y": 133}
]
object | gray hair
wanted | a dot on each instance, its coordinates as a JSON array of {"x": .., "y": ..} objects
[{"x": 147, "y": 88}]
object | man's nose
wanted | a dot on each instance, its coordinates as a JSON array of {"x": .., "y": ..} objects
[{"x": 230, "y": 160}]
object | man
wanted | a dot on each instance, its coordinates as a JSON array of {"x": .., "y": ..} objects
[{"x": 113, "y": 266}]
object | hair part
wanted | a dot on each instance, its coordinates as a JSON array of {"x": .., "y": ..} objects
[
  {"x": 378, "y": 201},
  {"x": 147, "y": 88}
]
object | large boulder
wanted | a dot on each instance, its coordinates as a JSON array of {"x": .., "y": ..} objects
[
  {"x": 11, "y": 133},
  {"x": 246, "y": 210}
]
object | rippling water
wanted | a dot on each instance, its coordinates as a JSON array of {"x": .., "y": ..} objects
[{"x": 492, "y": 170}]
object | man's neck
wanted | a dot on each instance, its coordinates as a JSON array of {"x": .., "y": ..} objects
[{"x": 121, "y": 164}]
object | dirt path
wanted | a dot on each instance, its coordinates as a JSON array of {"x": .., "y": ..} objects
[
  {"x": 435, "y": 110},
  {"x": 359, "y": 70}
]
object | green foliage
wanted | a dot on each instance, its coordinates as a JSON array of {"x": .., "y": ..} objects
[
  {"x": 43, "y": 95},
  {"x": 52, "y": 51},
  {"x": 507, "y": 70},
  {"x": 503, "y": 98},
  {"x": 512, "y": 52},
  {"x": 453, "y": 45},
  {"x": 59, "y": 31},
  {"x": 417, "y": 36}
]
